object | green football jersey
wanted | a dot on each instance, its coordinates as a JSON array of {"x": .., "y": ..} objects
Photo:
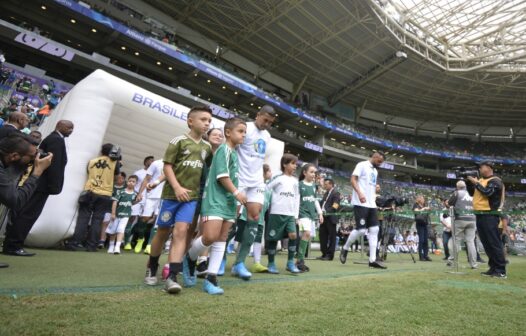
[
  {"x": 216, "y": 200},
  {"x": 307, "y": 201},
  {"x": 188, "y": 159},
  {"x": 124, "y": 203}
]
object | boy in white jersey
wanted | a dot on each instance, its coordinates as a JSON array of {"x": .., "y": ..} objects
[
  {"x": 363, "y": 181},
  {"x": 284, "y": 210},
  {"x": 138, "y": 207},
  {"x": 152, "y": 187},
  {"x": 251, "y": 156}
]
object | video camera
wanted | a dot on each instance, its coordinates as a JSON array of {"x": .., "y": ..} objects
[
  {"x": 464, "y": 172},
  {"x": 115, "y": 153},
  {"x": 397, "y": 201}
]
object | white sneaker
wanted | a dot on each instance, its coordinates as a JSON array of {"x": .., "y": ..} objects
[
  {"x": 172, "y": 286},
  {"x": 117, "y": 249},
  {"x": 149, "y": 279},
  {"x": 111, "y": 249}
]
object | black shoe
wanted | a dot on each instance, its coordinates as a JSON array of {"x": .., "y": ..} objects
[
  {"x": 201, "y": 269},
  {"x": 73, "y": 247},
  {"x": 421, "y": 259},
  {"x": 488, "y": 272},
  {"x": 321, "y": 258},
  {"x": 301, "y": 266},
  {"x": 480, "y": 260},
  {"x": 427, "y": 259},
  {"x": 343, "y": 256},
  {"x": 4, "y": 265},
  {"x": 377, "y": 264},
  {"x": 445, "y": 258},
  {"x": 100, "y": 246},
  {"x": 19, "y": 253}
]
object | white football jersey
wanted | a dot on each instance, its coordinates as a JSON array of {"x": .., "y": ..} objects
[{"x": 251, "y": 156}]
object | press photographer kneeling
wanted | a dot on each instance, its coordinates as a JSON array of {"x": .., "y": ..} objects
[{"x": 488, "y": 198}]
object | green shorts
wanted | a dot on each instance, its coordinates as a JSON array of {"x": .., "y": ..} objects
[{"x": 279, "y": 226}]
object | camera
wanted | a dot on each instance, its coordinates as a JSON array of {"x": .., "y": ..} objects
[
  {"x": 464, "y": 172},
  {"x": 397, "y": 201},
  {"x": 43, "y": 154},
  {"x": 115, "y": 153}
]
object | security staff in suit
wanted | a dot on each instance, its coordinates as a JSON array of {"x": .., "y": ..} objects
[
  {"x": 330, "y": 204},
  {"x": 50, "y": 183},
  {"x": 16, "y": 122}
]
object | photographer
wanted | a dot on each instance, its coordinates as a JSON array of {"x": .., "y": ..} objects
[
  {"x": 422, "y": 223},
  {"x": 95, "y": 200},
  {"x": 488, "y": 199},
  {"x": 464, "y": 221},
  {"x": 19, "y": 150}
]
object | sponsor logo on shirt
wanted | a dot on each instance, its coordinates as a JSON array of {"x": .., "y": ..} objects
[
  {"x": 260, "y": 146},
  {"x": 193, "y": 163},
  {"x": 286, "y": 194},
  {"x": 308, "y": 198}
]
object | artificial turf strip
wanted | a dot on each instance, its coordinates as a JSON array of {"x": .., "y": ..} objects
[{"x": 332, "y": 299}]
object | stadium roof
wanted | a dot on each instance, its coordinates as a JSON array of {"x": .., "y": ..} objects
[{"x": 465, "y": 64}]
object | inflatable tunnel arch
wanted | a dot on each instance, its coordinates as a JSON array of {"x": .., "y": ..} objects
[{"x": 105, "y": 109}]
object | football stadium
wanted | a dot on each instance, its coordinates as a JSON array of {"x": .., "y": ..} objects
[{"x": 262, "y": 167}]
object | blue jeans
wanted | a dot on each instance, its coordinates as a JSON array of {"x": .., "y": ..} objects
[{"x": 423, "y": 237}]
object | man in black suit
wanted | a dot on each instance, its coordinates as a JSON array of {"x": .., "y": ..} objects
[
  {"x": 50, "y": 183},
  {"x": 16, "y": 122},
  {"x": 330, "y": 204}
]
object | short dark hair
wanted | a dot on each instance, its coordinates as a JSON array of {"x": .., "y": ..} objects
[
  {"x": 199, "y": 108},
  {"x": 382, "y": 154},
  {"x": 106, "y": 149},
  {"x": 123, "y": 174},
  {"x": 133, "y": 177},
  {"x": 16, "y": 142},
  {"x": 286, "y": 159},
  {"x": 149, "y": 157},
  {"x": 331, "y": 181},
  {"x": 268, "y": 110},
  {"x": 232, "y": 123},
  {"x": 266, "y": 168}
]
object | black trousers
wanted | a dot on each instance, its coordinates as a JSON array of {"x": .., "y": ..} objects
[
  {"x": 327, "y": 238},
  {"x": 423, "y": 237},
  {"x": 92, "y": 209},
  {"x": 488, "y": 229},
  {"x": 22, "y": 221}
]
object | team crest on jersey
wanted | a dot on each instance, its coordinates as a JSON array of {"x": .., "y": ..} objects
[
  {"x": 165, "y": 216},
  {"x": 260, "y": 146},
  {"x": 362, "y": 221},
  {"x": 203, "y": 154},
  {"x": 272, "y": 233}
]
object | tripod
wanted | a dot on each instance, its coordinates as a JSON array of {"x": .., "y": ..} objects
[{"x": 391, "y": 224}]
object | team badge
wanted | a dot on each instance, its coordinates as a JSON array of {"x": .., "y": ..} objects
[
  {"x": 272, "y": 233},
  {"x": 166, "y": 216},
  {"x": 362, "y": 221},
  {"x": 260, "y": 146},
  {"x": 203, "y": 154}
]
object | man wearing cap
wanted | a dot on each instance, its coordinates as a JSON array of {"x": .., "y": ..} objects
[{"x": 488, "y": 198}]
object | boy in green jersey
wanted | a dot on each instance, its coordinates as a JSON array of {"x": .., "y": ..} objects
[
  {"x": 219, "y": 207},
  {"x": 120, "y": 214},
  {"x": 184, "y": 160}
]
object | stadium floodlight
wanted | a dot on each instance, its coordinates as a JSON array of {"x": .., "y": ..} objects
[{"x": 373, "y": 73}]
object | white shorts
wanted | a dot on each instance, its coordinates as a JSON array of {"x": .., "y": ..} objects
[
  {"x": 254, "y": 194},
  {"x": 117, "y": 226},
  {"x": 209, "y": 218},
  {"x": 107, "y": 217},
  {"x": 151, "y": 207},
  {"x": 306, "y": 224},
  {"x": 137, "y": 209}
]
